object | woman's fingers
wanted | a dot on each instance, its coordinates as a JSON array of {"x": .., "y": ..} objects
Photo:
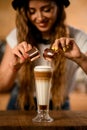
[
  {"x": 20, "y": 51},
  {"x": 63, "y": 44},
  {"x": 19, "y": 55},
  {"x": 55, "y": 45},
  {"x": 26, "y": 46}
]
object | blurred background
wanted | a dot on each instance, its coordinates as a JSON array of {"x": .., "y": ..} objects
[{"x": 76, "y": 16}]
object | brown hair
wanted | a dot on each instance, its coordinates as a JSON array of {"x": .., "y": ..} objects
[{"x": 26, "y": 32}]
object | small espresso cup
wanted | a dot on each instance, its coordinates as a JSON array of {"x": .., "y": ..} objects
[{"x": 43, "y": 75}]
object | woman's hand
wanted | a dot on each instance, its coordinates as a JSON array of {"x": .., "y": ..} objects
[
  {"x": 19, "y": 55},
  {"x": 67, "y": 47}
]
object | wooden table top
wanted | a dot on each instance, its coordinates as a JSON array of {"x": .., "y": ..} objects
[{"x": 63, "y": 120}]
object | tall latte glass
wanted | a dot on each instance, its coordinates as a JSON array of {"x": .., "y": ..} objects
[{"x": 43, "y": 76}]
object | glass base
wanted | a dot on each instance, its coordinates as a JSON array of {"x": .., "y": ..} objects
[{"x": 42, "y": 117}]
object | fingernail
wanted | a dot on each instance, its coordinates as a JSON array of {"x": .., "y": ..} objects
[
  {"x": 22, "y": 58},
  {"x": 56, "y": 48},
  {"x": 53, "y": 48},
  {"x": 64, "y": 49}
]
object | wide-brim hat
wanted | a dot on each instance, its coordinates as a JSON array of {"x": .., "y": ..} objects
[{"x": 17, "y": 4}]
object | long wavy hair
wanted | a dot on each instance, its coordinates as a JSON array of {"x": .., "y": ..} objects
[{"x": 27, "y": 32}]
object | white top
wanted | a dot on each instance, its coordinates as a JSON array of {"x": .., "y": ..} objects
[
  {"x": 79, "y": 37},
  {"x": 12, "y": 38}
]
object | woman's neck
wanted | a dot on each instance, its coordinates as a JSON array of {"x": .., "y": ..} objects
[{"x": 46, "y": 35}]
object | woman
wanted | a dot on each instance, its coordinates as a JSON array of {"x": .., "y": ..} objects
[{"x": 39, "y": 23}]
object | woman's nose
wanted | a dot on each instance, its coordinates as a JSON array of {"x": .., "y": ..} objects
[{"x": 39, "y": 16}]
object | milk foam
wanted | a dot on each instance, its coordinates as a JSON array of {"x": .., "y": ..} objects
[{"x": 42, "y": 68}]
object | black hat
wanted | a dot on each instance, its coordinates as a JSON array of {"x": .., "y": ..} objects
[
  {"x": 65, "y": 2},
  {"x": 21, "y": 3}
]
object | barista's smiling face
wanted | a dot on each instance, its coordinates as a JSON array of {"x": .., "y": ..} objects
[{"x": 42, "y": 14}]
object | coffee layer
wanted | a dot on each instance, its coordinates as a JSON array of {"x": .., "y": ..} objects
[{"x": 42, "y": 75}]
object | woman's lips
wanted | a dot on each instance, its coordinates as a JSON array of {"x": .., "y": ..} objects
[{"x": 42, "y": 24}]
